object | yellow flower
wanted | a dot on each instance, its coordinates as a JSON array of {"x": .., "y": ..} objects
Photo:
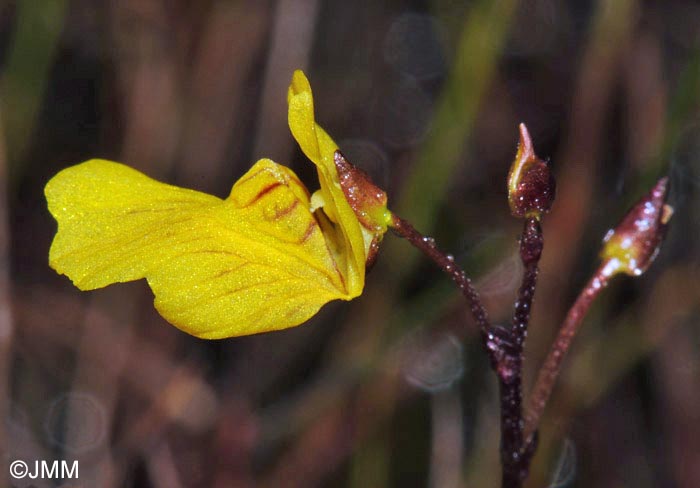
[{"x": 265, "y": 258}]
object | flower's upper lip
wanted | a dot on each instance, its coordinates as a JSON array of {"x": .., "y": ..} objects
[{"x": 350, "y": 239}]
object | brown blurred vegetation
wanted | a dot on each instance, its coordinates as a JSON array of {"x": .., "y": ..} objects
[{"x": 391, "y": 389}]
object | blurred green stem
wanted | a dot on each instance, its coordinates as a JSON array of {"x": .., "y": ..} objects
[
  {"x": 6, "y": 320},
  {"x": 26, "y": 75},
  {"x": 481, "y": 42}
]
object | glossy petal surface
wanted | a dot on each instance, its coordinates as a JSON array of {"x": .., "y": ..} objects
[{"x": 254, "y": 262}]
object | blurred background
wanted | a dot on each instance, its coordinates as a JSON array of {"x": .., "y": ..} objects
[{"x": 391, "y": 389}]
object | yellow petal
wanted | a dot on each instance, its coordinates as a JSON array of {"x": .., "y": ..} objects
[
  {"x": 254, "y": 262},
  {"x": 350, "y": 239}
]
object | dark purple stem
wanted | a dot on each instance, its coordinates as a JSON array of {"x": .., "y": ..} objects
[
  {"x": 447, "y": 264},
  {"x": 504, "y": 345},
  {"x": 515, "y": 457},
  {"x": 630, "y": 247},
  {"x": 552, "y": 365}
]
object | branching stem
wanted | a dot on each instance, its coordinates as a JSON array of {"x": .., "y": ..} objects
[
  {"x": 628, "y": 248},
  {"x": 504, "y": 345}
]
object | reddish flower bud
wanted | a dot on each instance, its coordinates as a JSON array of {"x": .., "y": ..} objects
[
  {"x": 531, "y": 185},
  {"x": 634, "y": 243}
]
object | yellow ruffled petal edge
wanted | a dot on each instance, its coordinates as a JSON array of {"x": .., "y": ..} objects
[{"x": 255, "y": 262}]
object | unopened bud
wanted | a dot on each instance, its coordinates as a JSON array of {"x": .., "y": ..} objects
[
  {"x": 531, "y": 185},
  {"x": 633, "y": 244}
]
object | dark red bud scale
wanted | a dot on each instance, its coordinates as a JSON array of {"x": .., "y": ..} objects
[
  {"x": 367, "y": 200},
  {"x": 364, "y": 197},
  {"x": 531, "y": 185}
]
